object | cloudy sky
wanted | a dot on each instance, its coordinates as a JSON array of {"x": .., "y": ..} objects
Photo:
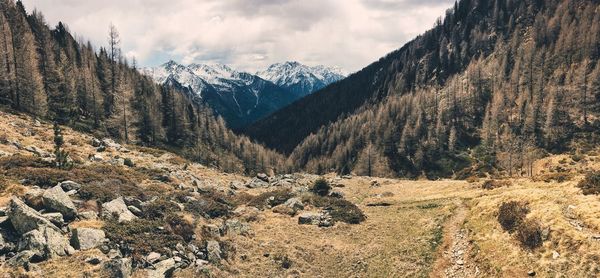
[{"x": 249, "y": 34}]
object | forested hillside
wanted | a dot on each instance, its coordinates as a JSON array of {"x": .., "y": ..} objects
[
  {"x": 493, "y": 85},
  {"x": 49, "y": 73}
]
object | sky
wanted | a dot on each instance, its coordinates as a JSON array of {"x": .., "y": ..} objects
[{"x": 249, "y": 34}]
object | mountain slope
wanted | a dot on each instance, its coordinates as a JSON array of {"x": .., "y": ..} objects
[
  {"x": 512, "y": 80},
  {"x": 300, "y": 79}
]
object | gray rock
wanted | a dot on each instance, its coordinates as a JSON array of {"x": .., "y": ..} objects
[
  {"x": 283, "y": 209},
  {"x": 162, "y": 269},
  {"x": 33, "y": 241},
  {"x": 25, "y": 219},
  {"x": 153, "y": 257},
  {"x": 263, "y": 177},
  {"x": 37, "y": 151},
  {"x": 3, "y": 219},
  {"x": 309, "y": 218},
  {"x": 116, "y": 209},
  {"x": 93, "y": 260},
  {"x": 211, "y": 231},
  {"x": 114, "y": 253},
  {"x": 23, "y": 258},
  {"x": 69, "y": 185},
  {"x": 87, "y": 238},
  {"x": 235, "y": 227},
  {"x": 213, "y": 250},
  {"x": 55, "y": 217},
  {"x": 136, "y": 211},
  {"x": 295, "y": 204},
  {"x": 45, "y": 242},
  {"x": 119, "y": 267},
  {"x": 55, "y": 199},
  {"x": 3, "y": 211},
  {"x": 96, "y": 143},
  {"x": 88, "y": 215}
]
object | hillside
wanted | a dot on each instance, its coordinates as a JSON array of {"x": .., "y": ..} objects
[
  {"x": 492, "y": 86},
  {"x": 186, "y": 220},
  {"x": 48, "y": 73}
]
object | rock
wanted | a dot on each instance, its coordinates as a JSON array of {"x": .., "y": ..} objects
[
  {"x": 5, "y": 245},
  {"x": 71, "y": 193},
  {"x": 23, "y": 258},
  {"x": 531, "y": 273},
  {"x": 555, "y": 255},
  {"x": 200, "y": 262},
  {"x": 309, "y": 218},
  {"x": 45, "y": 242},
  {"x": 235, "y": 227},
  {"x": 69, "y": 185},
  {"x": 96, "y": 143},
  {"x": 153, "y": 257},
  {"x": 326, "y": 221},
  {"x": 110, "y": 143},
  {"x": 37, "y": 151},
  {"x": 55, "y": 199},
  {"x": 163, "y": 269},
  {"x": 96, "y": 157},
  {"x": 295, "y": 204},
  {"x": 375, "y": 184},
  {"x": 25, "y": 219},
  {"x": 460, "y": 262},
  {"x": 283, "y": 209},
  {"x": 263, "y": 177},
  {"x": 116, "y": 209},
  {"x": 87, "y": 238},
  {"x": 3, "y": 211},
  {"x": 3, "y": 219},
  {"x": 347, "y": 177},
  {"x": 101, "y": 149},
  {"x": 213, "y": 249},
  {"x": 88, "y": 215},
  {"x": 114, "y": 253},
  {"x": 55, "y": 217},
  {"x": 93, "y": 261},
  {"x": 135, "y": 210},
  {"x": 211, "y": 231},
  {"x": 119, "y": 267}
]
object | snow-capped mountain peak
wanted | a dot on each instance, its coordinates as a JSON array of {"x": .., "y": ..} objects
[{"x": 299, "y": 78}]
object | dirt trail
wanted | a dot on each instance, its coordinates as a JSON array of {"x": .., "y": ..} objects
[{"x": 453, "y": 259}]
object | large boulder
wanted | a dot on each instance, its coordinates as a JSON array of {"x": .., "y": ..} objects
[
  {"x": 55, "y": 217},
  {"x": 69, "y": 185},
  {"x": 55, "y": 199},
  {"x": 45, "y": 242},
  {"x": 87, "y": 238},
  {"x": 295, "y": 204},
  {"x": 117, "y": 209},
  {"x": 235, "y": 227},
  {"x": 162, "y": 269},
  {"x": 25, "y": 219}
]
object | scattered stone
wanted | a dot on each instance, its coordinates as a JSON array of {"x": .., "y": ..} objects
[
  {"x": 96, "y": 143},
  {"x": 114, "y": 253},
  {"x": 555, "y": 255},
  {"x": 531, "y": 273},
  {"x": 69, "y": 185},
  {"x": 3, "y": 219},
  {"x": 135, "y": 210},
  {"x": 3, "y": 211},
  {"x": 263, "y": 177},
  {"x": 116, "y": 209},
  {"x": 22, "y": 258},
  {"x": 213, "y": 250},
  {"x": 153, "y": 257},
  {"x": 200, "y": 262},
  {"x": 283, "y": 209},
  {"x": 45, "y": 242},
  {"x": 211, "y": 231},
  {"x": 25, "y": 219},
  {"x": 55, "y": 217},
  {"x": 93, "y": 261},
  {"x": 295, "y": 204},
  {"x": 87, "y": 238},
  {"x": 162, "y": 269},
  {"x": 119, "y": 267},
  {"x": 375, "y": 184},
  {"x": 347, "y": 177},
  {"x": 96, "y": 157},
  {"x": 309, "y": 218},
  {"x": 88, "y": 215},
  {"x": 37, "y": 151},
  {"x": 55, "y": 199},
  {"x": 460, "y": 262}
]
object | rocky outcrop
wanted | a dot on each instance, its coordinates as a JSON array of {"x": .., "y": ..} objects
[
  {"x": 25, "y": 219},
  {"x": 55, "y": 199},
  {"x": 117, "y": 209},
  {"x": 119, "y": 267},
  {"x": 162, "y": 269},
  {"x": 45, "y": 243},
  {"x": 87, "y": 238},
  {"x": 213, "y": 251}
]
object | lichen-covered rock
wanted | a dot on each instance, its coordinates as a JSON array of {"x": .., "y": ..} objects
[
  {"x": 25, "y": 219},
  {"x": 119, "y": 267},
  {"x": 55, "y": 217},
  {"x": 213, "y": 250},
  {"x": 162, "y": 269},
  {"x": 87, "y": 238},
  {"x": 235, "y": 227},
  {"x": 295, "y": 204},
  {"x": 117, "y": 209},
  {"x": 55, "y": 199},
  {"x": 309, "y": 218},
  {"x": 45, "y": 242}
]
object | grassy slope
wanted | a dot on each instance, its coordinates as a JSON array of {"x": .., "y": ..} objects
[{"x": 400, "y": 240}]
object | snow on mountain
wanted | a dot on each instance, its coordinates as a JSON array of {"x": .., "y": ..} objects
[{"x": 301, "y": 79}]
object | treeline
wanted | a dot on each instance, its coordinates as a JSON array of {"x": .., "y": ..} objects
[
  {"x": 492, "y": 87},
  {"x": 48, "y": 73}
]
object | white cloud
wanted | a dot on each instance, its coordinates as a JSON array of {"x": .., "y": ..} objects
[{"x": 249, "y": 34}]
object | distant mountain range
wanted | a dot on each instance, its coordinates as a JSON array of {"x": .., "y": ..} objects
[{"x": 242, "y": 98}]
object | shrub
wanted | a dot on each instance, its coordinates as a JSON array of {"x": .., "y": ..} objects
[
  {"x": 512, "y": 214},
  {"x": 590, "y": 184},
  {"x": 159, "y": 209},
  {"x": 321, "y": 187},
  {"x": 557, "y": 177},
  {"x": 492, "y": 184},
  {"x": 339, "y": 209},
  {"x": 179, "y": 226},
  {"x": 141, "y": 236},
  {"x": 107, "y": 190},
  {"x": 529, "y": 234},
  {"x": 128, "y": 162},
  {"x": 21, "y": 161},
  {"x": 210, "y": 205}
]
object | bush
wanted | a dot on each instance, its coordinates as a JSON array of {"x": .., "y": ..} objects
[
  {"x": 512, "y": 214},
  {"x": 180, "y": 226},
  {"x": 590, "y": 184},
  {"x": 159, "y": 209},
  {"x": 529, "y": 234},
  {"x": 141, "y": 236},
  {"x": 128, "y": 162},
  {"x": 492, "y": 184},
  {"x": 339, "y": 209},
  {"x": 108, "y": 190},
  {"x": 321, "y": 187},
  {"x": 210, "y": 205},
  {"x": 263, "y": 200}
]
